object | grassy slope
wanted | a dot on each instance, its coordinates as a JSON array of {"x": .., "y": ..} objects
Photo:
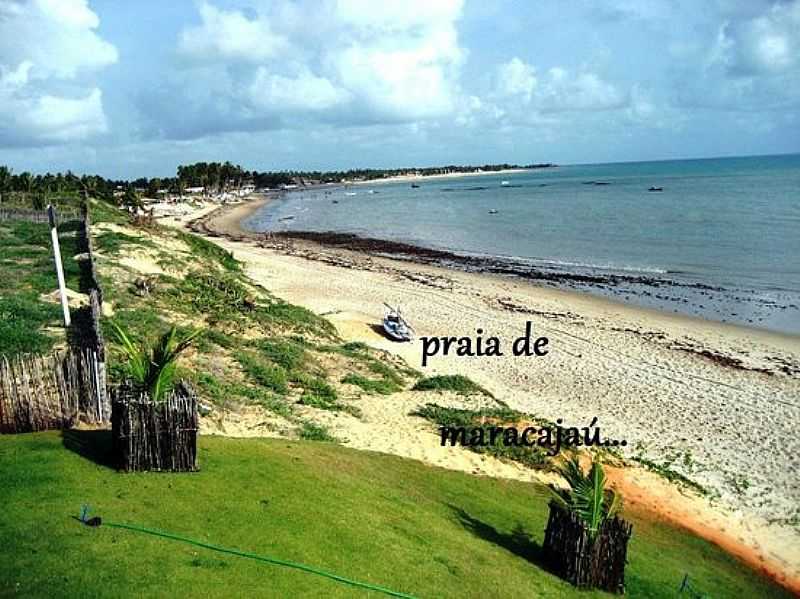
[
  {"x": 27, "y": 271},
  {"x": 373, "y": 517},
  {"x": 256, "y": 350}
]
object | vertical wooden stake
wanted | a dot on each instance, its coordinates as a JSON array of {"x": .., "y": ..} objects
[{"x": 62, "y": 286}]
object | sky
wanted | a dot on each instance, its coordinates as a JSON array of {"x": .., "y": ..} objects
[{"x": 128, "y": 89}]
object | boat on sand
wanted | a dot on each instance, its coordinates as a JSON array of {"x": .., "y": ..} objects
[{"x": 396, "y": 326}]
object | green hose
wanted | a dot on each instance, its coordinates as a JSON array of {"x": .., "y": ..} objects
[{"x": 261, "y": 558}]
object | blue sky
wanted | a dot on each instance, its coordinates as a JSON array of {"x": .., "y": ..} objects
[{"x": 136, "y": 88}]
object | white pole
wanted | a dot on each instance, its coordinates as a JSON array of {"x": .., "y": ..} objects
[{"x": 62, "y": 286}]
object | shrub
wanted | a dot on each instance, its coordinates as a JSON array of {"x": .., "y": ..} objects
[
  {"x": 456, "y": 383},
  {"x": 211, "y": 252},
  {"x": 220, "y": 392},
  {"x": 288, "y": 354},
  {"x": 295, "y": 317},
  {"x": 217, "y": 295},
  {"x": 267, "y": 375},
  {"x": 317, "y": 393},
  {"x": 111, "y": 242},
  {"x": 219, "y": 338},
  {"x": 535, "y": 457},
  {"x": 315, "y": 432},
  {"x": 372, "y": 386}
]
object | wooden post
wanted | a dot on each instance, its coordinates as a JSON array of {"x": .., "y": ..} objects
[{"x": 51, "y": 215}]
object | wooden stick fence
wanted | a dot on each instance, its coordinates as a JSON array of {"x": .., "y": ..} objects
[
  {"x": 150, "y": 435},
  {"x": 35, "y": 216},
  {"x": 573, "y": 556},
  {"x": 85, "y": 246},
  {"x": 88, "y": 332},
  {"x": 50, "y": 392},
  {"x": 44, "y": 392}
]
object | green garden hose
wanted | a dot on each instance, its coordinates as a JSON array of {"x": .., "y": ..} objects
[{"x": 261, "y": 558}]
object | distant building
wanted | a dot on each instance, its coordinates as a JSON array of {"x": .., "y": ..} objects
[{"x": 192, "y": 190}]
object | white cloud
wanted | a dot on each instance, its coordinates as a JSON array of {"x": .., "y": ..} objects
[
  {"x": 386, "y": 17},
  {"x": 650, "y": 111},
  {"x": 66, "y": 119},
  {"x": 56, "y": 36},
  {"x": 46, "y": 48},
  {"x": 557, "y": 90},
  {"x": 766, "y": 44},
  {"x": 303, "y": 92},
  {"x": 563, "y": 91},
  {"x": 225, "y": 35},
  {"x": 401, "y": 80},
  {"x": 399, "y": 60},
  {"x": 516, "y": 78},
  {"x": 346, "y": 62},
  {"x": 750, "y": 63}
]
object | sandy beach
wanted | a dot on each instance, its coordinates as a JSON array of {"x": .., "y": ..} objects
[
  {"x": 420, "y": 178},
  {"x": 716, "y": 403}
]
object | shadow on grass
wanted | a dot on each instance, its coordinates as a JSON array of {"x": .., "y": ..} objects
[
  {"x": 92, "y": 445},
  {"x": 518, "y": 541}
]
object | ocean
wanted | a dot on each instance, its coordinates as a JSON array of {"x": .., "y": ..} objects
[{"x": 721, "y": 241}]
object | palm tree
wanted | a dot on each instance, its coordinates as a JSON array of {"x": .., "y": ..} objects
[
  {"x": 131, "y": 200},
  {"x": 88, "y": 187},
  {"x": 39, "y": 200},
  {"x": 5, "y": 180},
  {"x": 26, "y": 179},
  {"x": 586, "y": 495},
  {"x": 152, "y": 366}
]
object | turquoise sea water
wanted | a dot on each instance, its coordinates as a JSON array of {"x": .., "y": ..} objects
[{"x": 722, "y": 240}]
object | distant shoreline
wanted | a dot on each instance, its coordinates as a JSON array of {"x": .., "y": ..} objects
[
  {"x": 418, "y": 178},
  {"x": 226, "y": 220}
]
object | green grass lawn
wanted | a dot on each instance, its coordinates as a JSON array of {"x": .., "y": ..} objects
[{"x": 376, "y": 518}]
